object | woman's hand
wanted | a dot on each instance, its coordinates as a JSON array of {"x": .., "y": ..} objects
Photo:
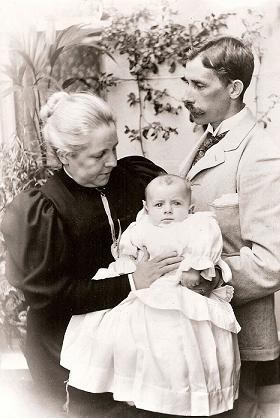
[{"x": 147, "y": 271}]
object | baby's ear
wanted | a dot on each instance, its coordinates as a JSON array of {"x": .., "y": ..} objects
[
  {"x": 191, "y": 209},
  {"x": 145, "y": 206}
]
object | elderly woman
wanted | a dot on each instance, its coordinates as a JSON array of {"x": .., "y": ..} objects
[{"x": 60, "y": 234}]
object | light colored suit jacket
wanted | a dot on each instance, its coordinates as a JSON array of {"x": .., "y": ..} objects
[{"x": 245, "y": 166}]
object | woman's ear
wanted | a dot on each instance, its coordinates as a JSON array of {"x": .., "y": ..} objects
[
  {"x": 191, "y": 209},
  {"x": 62, "y": 156},
  {"x": 236, "y": 88}
]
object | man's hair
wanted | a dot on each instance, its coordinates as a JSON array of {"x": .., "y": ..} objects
[
  {"x": 169, "y": 179},
  {"x": 229, "y": 57}
]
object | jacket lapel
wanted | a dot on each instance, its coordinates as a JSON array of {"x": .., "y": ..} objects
[
  {"x": 216, "y": 154},
  {"x": 212, "y": 158},
  {"x": 185, "y": 166}
]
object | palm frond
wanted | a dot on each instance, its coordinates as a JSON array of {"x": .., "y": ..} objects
[
  {"x": 14, "y": 72},
  {"x": 7, "y": 91},
  {"x": 27, "y": 60},
  {"x": 73, "y": 34},
  {"x": 47, "y": 77},
  {"x": 54, "y": 53}
]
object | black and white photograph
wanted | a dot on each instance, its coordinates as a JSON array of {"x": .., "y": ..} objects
[{"x": 140, "y": 209}]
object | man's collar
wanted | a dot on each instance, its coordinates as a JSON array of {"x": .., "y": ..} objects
[{"x": 227, "y": 124}]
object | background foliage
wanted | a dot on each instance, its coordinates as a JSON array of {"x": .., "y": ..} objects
[{"x": 42, "y": 62}]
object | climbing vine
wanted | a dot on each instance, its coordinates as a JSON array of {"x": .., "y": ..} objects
[{"x": 148, "y": 47}]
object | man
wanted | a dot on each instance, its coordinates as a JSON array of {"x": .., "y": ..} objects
[{"x": 236, "y": 172}]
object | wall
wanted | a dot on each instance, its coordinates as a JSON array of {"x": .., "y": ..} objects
[{"x": 168, "y": 153}]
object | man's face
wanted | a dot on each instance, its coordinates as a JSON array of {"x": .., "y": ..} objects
[{"x": 206, "y": 97}]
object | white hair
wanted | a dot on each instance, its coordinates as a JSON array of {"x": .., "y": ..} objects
[{"x": 68, "y": 117}]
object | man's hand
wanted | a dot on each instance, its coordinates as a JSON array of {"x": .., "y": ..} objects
[{"x": 147, "y": 271}]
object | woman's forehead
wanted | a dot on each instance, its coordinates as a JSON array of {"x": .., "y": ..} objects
[{"x": 104, "y": 136}]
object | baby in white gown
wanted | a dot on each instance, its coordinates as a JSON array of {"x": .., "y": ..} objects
[{"x": 166, "y": 348}]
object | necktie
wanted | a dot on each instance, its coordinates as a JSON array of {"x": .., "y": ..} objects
[{"x": 208, "y": 142}]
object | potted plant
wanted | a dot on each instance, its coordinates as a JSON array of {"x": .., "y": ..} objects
[{"x": 39, "y": 62}]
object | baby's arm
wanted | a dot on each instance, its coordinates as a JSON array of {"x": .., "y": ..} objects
[
  {"x": 202, "y": 253},
  {"x": 126, "y": 262}
]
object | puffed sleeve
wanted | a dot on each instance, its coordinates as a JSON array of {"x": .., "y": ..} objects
[
  {"x": 205, "y": 248},
  {"x": 127, "y": 246},
  {"x": 37, "y": 254}
]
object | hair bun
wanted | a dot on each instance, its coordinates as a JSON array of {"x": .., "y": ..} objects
[{"x": 48, "y": 108}]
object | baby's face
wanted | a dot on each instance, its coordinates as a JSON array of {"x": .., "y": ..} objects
[{"x": 167, "y": 203}]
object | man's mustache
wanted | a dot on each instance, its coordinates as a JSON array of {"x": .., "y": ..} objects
[{"x": 192, "y": 109}]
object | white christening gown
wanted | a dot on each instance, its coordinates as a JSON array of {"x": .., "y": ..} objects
[{"x": 165, "y": 348}]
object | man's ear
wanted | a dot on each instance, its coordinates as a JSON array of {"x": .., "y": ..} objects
[
  {"x": 236, "y": 88},
  {"x": 145, "y": 206},
  {"x": 191, "y": 209}
]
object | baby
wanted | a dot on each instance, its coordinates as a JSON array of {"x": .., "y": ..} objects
[
  {"x": 165, "y": 205},
  {"x": 167, "y": 348}
]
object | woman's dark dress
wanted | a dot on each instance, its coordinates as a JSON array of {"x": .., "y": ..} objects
[{"x": 57, "y": 237}]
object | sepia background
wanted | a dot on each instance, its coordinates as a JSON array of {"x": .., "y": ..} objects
[{"x": 71, "y": 45}]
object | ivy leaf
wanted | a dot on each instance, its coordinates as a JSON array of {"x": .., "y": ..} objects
[
  {"x": 165, "y": 136},
  {"x": 68, "y": 82},
  {"x": 145, "y": 133},
  {"x": 148, "y": 96},
  {"x": 172, "y": 67},
  {"x": 154, "y": 68}
]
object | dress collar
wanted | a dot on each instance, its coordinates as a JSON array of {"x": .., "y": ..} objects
[
  {"x": 99, "y": 189},
  {"x": 68, "y": 174}
]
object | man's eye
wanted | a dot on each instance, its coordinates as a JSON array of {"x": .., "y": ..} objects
[
  {"x": 158, "y": 205},
  {"x": 177, "y": 203},
  {"x": 200, "y": 86}
]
